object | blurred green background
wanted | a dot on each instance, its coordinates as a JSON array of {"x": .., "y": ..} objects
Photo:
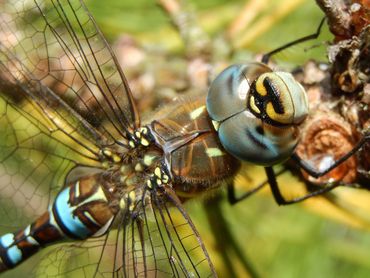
[{"x": 293, "y": 241}]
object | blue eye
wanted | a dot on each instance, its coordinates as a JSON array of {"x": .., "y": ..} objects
[
  {"x": 278, "y": 98},
  {"x": 228, "y": 92},
  {"x": 256, "y": 112}
]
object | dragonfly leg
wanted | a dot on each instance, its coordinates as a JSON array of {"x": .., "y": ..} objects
[
  {"x": 272, "y": 182},
  {"x": 280, "y": 200},
  {"x": 313, "y": 172},
  {"x": 231, "y": 194},
  {"x": 267, "y": 56},
  {"x": 316, "y": 173}
]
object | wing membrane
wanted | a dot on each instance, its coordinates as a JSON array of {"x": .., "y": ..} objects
[
  {"x": 60, "y": 44},
  {"x": 42, "y": 140},
  {"x": 34, "y": 162},
  {"x": 62, "y": 99}
]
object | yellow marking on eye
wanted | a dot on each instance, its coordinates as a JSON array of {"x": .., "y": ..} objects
[
  {"x": 260, "y": 88},
  {"x": 158, "y": 172},
  {"x": 197, "y": 112},
  {"x": 281, "y": 118},
  {"x": 137, "y": 134},
  {"x": 139, "y": 167},
  {"x": 144, "y": 142},
  {"x": 285, "y": 100},
  {"x": 252, "y": 104},
  {"x": 131, "y": 144},
  {"x": 214, "y": 152}
]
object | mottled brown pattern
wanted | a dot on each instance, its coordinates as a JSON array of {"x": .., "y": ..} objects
[
  {"x": 43, "y": 231},
  {"x": 87, "y": 187},
  {"x": 192, "y": 169},
  {"x": 98, "y": 210}
]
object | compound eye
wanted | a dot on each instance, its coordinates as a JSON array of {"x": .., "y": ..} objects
[
  {"x": 229, "y": 92},
  {"x": 278, "y": 99},
  {"x": 256, "y": 112},
  {"x": 250, "y": 139}
]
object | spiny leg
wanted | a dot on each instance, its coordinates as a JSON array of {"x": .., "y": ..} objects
[
  {"x": 272, "y": 181},
  {"x": 279, "y": 197},
  {"x": 231, "y": 193},
  {"x": 315, "y": 173},
  {"x": 267, "y": 56}
]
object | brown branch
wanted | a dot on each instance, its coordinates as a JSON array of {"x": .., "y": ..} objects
[{"x": 338, "y": 17}]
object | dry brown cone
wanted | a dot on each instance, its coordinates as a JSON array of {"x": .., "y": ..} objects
[{"x": 339, "y": 97}]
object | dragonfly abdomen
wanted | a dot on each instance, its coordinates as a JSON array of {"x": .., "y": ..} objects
[
  {"x": 17, "y": 247},
  {"x": 81, "y": 210}
]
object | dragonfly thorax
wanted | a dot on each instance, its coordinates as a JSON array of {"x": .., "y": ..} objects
[{"x": 193, "y": 157}]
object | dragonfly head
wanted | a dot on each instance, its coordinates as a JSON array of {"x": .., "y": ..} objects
[{"x": 257, "y": 112}]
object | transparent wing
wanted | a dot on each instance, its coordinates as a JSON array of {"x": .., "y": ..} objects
[
  {"x": 60, "y": 45},
  {"x": 157, "y": 239},
  {"x": 62, "y": 98},
  {"x": 39, "y": 143},
  {"x": 164, "y": 242}
]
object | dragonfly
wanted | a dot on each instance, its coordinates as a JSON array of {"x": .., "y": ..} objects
[{"x": 103, "y": 181}]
